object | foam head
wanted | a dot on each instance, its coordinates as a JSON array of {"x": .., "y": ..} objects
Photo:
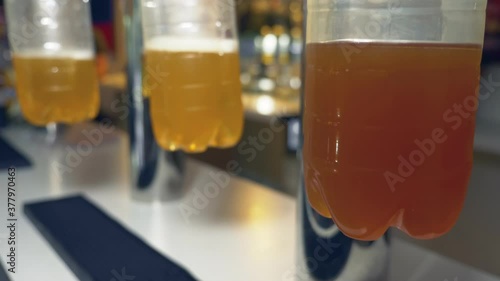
[
  {"x": 61, "y": 54},
  {"x": 183, "y": 44}
]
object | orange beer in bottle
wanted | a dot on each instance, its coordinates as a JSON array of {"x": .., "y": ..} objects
[{"x": 388, "y": 134}]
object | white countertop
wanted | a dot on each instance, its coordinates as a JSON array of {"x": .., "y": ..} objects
[{"x": 247, "y": 233}]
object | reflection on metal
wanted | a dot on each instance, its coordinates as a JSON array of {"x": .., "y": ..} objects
[
  {"x": 156, "y": 175},
  {"x": 325, "y": 254}
]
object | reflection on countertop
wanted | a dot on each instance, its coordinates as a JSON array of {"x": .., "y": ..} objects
[{"x": 224, "y": 228}]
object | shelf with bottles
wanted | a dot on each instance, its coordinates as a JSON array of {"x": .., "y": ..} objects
[{"x": 271, "y": 47}]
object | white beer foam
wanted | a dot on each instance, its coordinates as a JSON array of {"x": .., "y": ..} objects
[
  {"x": 61, "y": 54},
  {"x": 182, "y": 44}
]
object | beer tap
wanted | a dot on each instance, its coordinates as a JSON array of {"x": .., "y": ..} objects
[
  {"x": 323, "y": 252},
  {"x": 157, "y": 175}
]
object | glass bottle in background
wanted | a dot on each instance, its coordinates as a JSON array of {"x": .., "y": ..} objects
[
  {"x": 489, "y": 109},
  {"x": 277, "y": 48},
  {"x": 53, "y": 54},
  {"x": 296, "y": 44},
  {"x": 492, "y": 34},
  {"x": 191, "y": 73}
]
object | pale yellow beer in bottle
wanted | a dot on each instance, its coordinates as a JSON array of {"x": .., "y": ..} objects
[
  {"x": 195, "y": 92},
  {"x": 52, "y": 46},
  {"x": 61, "y": 88}
]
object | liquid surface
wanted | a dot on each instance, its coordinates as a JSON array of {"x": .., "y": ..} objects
[
  {"x": 58, "y": 89},
  {"x": 195, "y": 94},
  {"x": 388, "y": 134}
]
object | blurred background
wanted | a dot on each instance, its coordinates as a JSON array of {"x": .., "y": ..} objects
[{"x": 271, "y": 47}]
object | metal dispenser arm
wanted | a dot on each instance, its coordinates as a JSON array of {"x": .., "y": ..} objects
[
  {"x": 324, "y": 253},
  {"x": 157, "y": 175}
]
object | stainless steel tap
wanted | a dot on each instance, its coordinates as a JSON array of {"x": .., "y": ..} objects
[
  {"x": 157, "y": 175},
  {"x": 324, "y": 253}
]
